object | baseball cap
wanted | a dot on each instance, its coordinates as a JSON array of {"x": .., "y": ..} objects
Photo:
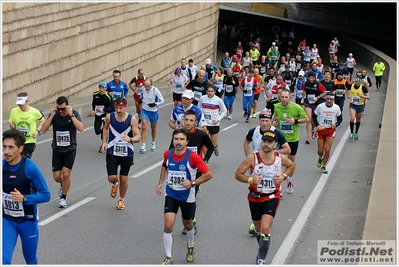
[
  {"x": 311, "y": 73},
  {"x": 102, "y": 84},
  {"x": 301, "y": 73},
  {"x": 190, "y": 60},
  {"x": 188, "y": 94},
  {"x": 208, "y": 61},
  {"x": 178, "y": 70},
  {"x": 332, "y": 41},
  {"x": 269, "y": 135},
  {"x": 350, "y": 54},
  {"x": 273, "y": 43},
  {"x": 21, "y": 100}
]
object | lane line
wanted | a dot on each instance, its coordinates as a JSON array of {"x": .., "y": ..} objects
[
  {"x": 156, "y": 165},
  {"x": 65, "y": 211},
  {"x": 296, "y": 228},
  {"x": 231, "y": 126}
]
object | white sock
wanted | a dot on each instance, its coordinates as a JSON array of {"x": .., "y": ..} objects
[{"x": 168, "y": 243}]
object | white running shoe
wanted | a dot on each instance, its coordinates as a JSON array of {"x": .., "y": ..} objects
[
  {"x": 62, "y": 203},
  {"x": 142, "y": 148}
]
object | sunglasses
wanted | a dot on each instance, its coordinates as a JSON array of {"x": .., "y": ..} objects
[{"x": 61, "y": 109}]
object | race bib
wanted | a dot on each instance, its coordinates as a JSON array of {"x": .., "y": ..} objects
[
  {"x": 99, "y": 113},
  {"x": 339, "y": 92},
  {"x": 197, "y": 95},
  {"x": 63, "y": 138},
  {"x": 23, "y": 130},
  {"x": 12, "y": 208},
  {"x": 355, "y": 100},
  {"x": 208, "y": 117},
  {"x": 262, "y": 69},
  {"x": 175, "y": 179},
  {"x": 193, "y": 148},
  {"x": 288, "y": 82},
  {"x": 328, "y": 121},
  {"x": 179, "y": 85},
  {"x": 286, "y": 127},
  {"x": 310, "y": 98},
  {"x": 115, "y": 95},
  {"x": 267, "y": 184},
  {"x": 229, "y": 88},
  {"x": 120, "y": 149}
]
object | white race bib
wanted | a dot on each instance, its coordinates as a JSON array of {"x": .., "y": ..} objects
[
  {"x": 267, "y": 184},
  {"x": 310, "y": 98},
  {"x": 12, "y": 208},
  {"x": 99, "y": 113},
  {"x": 355, "y": 100},
  {"x": 120, "y": 149},
  {"x": 193, "y": 148},
  {"x": 229, "y": 88},
  {"x": 197, "y": 95},
  {"x": 175, "y": 179},
  {"x": 63, "y": 138}
]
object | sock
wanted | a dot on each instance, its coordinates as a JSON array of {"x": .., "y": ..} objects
[
  {"x": 190, "y": 237},
  {"x": 357, "y": 126},
  {"x": 168, "y": 242},
  {"x": 320, "y": 157},
  {"x": 152, "y": 142},
  {"x": 63, "y": 196},
  {"x": 116, "y": 184},
  {"x": 351, "y": 124},
  {"x": 264, "y": 242},
  {"x": 122, "y": 198}
]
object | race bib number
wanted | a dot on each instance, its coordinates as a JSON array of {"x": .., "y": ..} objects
[
  {"x": 193, "y": 148},
  {"x": 262, "y": 69},
  {"x": 120, "y": 149},
  {"x": 23, "y": 130},
  {"x": 339, "y": 92},
  {"x": 175, "y": 179},
  {"x": 197, "y": 95},
  {"x": 115, "y": 95},
  {"x": 96, "y": 110},
  {"x": 179, "y": 85},
  {"x": 288, "y": 82},
  {"x": 267, "y": 184},
  {"x": 356, "y": 100},
  {"x": 274, "y": 57},
  {"x": 12, "y": 208},
  {"x": 286, "y": 127},
  {"x": 299, "y": 93},
  {"x": 208, "y": 117},
  {"x": 63, "y": 138},
  {"x": 310, "y": 98},
  {"x": 328, "y": 121},
  {"x": 140, "y": 89}
]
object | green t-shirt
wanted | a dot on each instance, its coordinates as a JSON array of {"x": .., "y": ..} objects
[
  {"x": 274, "y": 55},
  {"x": 290, "y": 131},
  {"x": 26, "y": 121}
]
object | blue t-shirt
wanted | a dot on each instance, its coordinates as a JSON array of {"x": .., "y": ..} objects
[{"x": 120, "y": 90}]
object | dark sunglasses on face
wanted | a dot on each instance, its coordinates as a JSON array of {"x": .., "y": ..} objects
[{"x": 61, "y": 109}]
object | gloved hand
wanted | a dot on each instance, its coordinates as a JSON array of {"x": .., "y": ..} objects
[
  {"x": 140, "y": 101},
  {"x": 245, "y": 91},
  {"x": 151, "y": 105}
]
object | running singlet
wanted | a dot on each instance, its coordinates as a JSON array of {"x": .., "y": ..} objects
[
  {"x": 116, "y": 146},
  {"x": 248, "y": 86},
  {"x": 355, "y": 98}
]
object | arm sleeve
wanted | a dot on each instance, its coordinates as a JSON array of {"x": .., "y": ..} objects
[
  {"x": 159, "y": 96},
  {"x": 42, "y": 193},
  {"x": 111, "y": 107},
  {"x": 209, "y": 145},
  {"x": 314, "y": 117},
  {"x": 126, "y": 90}
]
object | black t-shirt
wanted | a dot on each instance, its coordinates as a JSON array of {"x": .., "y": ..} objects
[{"x": 228, "y": 81}]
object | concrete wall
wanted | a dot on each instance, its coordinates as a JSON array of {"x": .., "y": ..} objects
[{"x": 53, "y": 49}]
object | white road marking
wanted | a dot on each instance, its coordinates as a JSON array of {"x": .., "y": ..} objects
[
  {"x": 65, "y": 211},
  {"x": 229, "y": 127},
  {"x": 296, "y": 228},
  {"x": 156, "y": 165}
]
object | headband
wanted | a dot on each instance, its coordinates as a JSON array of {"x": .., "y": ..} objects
[{"x": 120, "y": 105}]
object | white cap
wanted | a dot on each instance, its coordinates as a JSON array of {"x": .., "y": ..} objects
[
  {"x": 332, "y": 41},
  {"x": 21, "y": 100},
  {"x": 301, "y": 73},
  {"x": 188, "y": 94},
  {"x": 350, "y": 54},
  {"x": 208, "y": 61},
  {"x": 273, "y": 43}
]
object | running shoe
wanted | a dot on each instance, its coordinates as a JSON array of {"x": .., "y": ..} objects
[
  {"x": 60, "y": 191},
  {"x": 121, "y": 205},
  {"x": 252, "y": 230},
  {"x": 229, "y": 117},
  {"x": 142, "y": 148},
  {"x": 247, "y": 121},
  {"x": 62, "y": 203},
  {"x": 153, "y": 148},
  {"x": 351, "y": 136},
  {"x": 167, "y": 261},
  {"x": 254, "y": 115},
  {"x": 290, "y": 187},
  {"x": 308, "y": 141},
  {"x": 323, "y": 169},
  {"x": 356, "y": 137},
  {"x": 216, "y": 151},
  {"x": 245, "y": 114},
  {"x": 319, "y": 162},
  {"x": 260, "y": 262},
  {"x": 114, "y": 190},
  {"x": 190, "y": 253},
  {"x": 314, "y": 134}
]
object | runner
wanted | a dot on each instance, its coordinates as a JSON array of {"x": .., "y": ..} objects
[
  {"x": 24, "y": 186},
  {"x": 137, "y": 85},
  {"x": 179, "y": 166},
  {"x": 266, "y": 175},
  {"x": 247, "y": 86},
  {"x": 326, "y": 117},
  {"x": 180, "y": 80},
  {"x": 230, "y": 83},
  {"x": 357, "y": 95},
  {"x": 120, "y": 133},
  {"x": 117, "y": 88}
]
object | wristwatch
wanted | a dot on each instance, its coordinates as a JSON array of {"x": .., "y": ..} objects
[
  {"x": 73, "y": 115},
  {"x": 24, "y": 198},
  {"x": 193, "y": 184},
  {"x": 285, "y": 176}
]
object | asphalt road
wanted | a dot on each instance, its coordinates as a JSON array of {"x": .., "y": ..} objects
[{"x": 92, "y": 231}]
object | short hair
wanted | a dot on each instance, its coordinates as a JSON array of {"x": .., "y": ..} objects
[
  {"x": 138, "y": 70},
  {"x": 116, "y": 71},
  {"x": 326, "y": 71},
  {"x": 16, "y": 135},
  {"x": 22, "y": 94},
  {"x": 183, "y": 131},
  {"x": 210, "y": 85},
  {"x": 121, "y": 100},
  {"x": 191, "y": 112},
  {"x": 61, "y": 100}
]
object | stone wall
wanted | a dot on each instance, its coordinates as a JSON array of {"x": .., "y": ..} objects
[{"x": 53, "y": 49}]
